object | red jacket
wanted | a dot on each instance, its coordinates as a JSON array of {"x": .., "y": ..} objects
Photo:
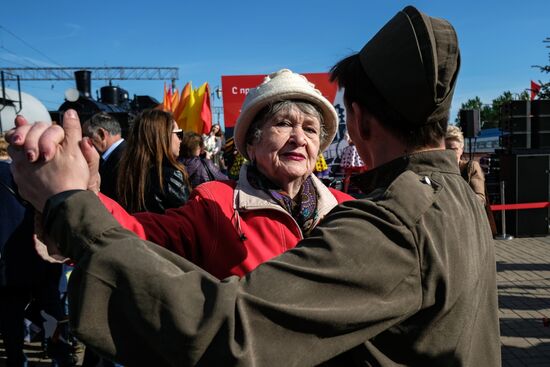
[{"x": 226, "y": 228}]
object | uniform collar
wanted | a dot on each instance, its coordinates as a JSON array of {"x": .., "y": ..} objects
[{"x": 422, "y": 163}]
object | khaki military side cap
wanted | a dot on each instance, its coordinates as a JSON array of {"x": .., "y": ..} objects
[{"x": 413, "y": 62}]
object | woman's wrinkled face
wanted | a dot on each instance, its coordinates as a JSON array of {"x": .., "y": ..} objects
[
  {"x": 175, "y": 140},
  {"x": 288, "y": 147},
  {"x": 456, "y": 146}
]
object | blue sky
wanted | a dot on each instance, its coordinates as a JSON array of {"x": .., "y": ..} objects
[{"x": 500, "y": 39}]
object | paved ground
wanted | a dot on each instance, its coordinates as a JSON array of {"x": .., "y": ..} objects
[{"x": 523, "y": 266}]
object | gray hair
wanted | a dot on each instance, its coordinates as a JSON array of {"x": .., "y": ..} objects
[
  {"x": 101, "y": 120},
  {"x": 254, "y": 132}
]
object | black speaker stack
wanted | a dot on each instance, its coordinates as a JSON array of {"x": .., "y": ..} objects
[
  {"x": 524, "y": 160},
  {"x": 527, "y": 180},
  {"x": 491, "y": 167},
  {"x": 525, "y": 125}
]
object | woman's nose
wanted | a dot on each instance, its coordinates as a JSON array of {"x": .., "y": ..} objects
[{"x": 298, "y": 136}]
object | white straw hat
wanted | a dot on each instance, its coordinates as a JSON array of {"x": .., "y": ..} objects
[{"x": 280, "y": 86}]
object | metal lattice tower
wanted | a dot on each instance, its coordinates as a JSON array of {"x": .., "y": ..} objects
[{"x": 98, "y": 73}]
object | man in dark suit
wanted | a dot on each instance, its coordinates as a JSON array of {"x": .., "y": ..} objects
[
  {"x": 25, "y": 277},
  {"x": 105, "y": 133},
  {"x": 18, "y": 266}
]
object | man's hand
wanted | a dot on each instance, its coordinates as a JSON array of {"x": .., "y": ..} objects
[
  {"x": 43, "y": 147},
  {"x": 46, "y": 161}
]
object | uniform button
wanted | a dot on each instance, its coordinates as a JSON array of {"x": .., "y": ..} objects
[{"x": 426, "y": 180}]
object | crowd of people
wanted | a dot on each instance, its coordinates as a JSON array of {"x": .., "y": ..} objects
[
  {"x": 31, "y": 289},
  {"x": 184, "y": 262}
]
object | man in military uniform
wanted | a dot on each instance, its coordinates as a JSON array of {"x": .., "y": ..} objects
[{"x": 404, "y": 277}]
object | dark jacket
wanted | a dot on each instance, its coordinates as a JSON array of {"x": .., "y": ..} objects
[
  {"x": 404, "y": 277},
  {"x": 173, "y": 195},
  {"x": 108, "y": 171},
  {"x": 202, "y": 170},
  {"x": 19, "y": 263}
]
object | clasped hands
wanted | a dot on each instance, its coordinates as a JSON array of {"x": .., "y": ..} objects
[{"x": 50, "y": 159}]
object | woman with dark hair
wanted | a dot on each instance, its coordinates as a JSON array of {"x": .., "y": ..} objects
[
  {"x": 198, "y": 168},
  {"x": 151, "y": 179}
]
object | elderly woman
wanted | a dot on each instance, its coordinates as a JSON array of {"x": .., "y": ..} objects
[{"x": 228, "y": 227}]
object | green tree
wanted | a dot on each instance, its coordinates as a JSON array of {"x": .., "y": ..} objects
[
  {"x": 544, "y": 92},
  {"x": 476, "y": 104}
]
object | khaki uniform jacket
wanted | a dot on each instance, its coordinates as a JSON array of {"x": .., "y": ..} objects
[
  {"x": 473, "y": 173},
  {"x": 405, "y": 277}
]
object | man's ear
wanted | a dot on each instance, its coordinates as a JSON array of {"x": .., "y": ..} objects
[
  {"x": 363, "y": 120},
  {"x": 101, "y": 133}
]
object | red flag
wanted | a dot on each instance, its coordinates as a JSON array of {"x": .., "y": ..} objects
[
  {"x": 168, "y": 104},
  {"x": 535, "y": 89},
  {"x": 162, "y": 105},
  {"x": 178, "y": 110},
  {"x": 175, "y": 100},
  {"x": 167, "y": 99},
  {"x": 206, "y": 112}
]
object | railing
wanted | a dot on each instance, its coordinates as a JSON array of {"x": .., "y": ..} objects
[{"x": 503, "y": 207}]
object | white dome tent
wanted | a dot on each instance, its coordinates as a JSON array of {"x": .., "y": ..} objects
[{"x": 30, "y": 107}]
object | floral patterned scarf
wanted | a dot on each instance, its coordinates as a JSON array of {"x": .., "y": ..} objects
[{"x": 303, "y": 208}]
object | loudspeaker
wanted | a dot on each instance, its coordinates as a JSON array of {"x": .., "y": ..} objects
[
  {"x": 516, "y": 125},
  {"x": 541, "y": 123},
  {"x": 541, "y": 131},
  {"x": 515, "y": 108},
  {"x": 515, "y": 140},
  {"x": 469, "y": 123},
  {"x": 540, "y": 107},
  {"x": 527, "y": 180}
]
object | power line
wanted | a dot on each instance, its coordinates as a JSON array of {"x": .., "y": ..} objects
[
  {"x": 23, "y": 58},
  {"x": 11, "y": 61},
  {"x": 29, "y": 45},
  {"x": 20, "y": 57}
]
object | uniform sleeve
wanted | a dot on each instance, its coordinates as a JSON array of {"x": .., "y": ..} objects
[{"x": 141, "y": 305}]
